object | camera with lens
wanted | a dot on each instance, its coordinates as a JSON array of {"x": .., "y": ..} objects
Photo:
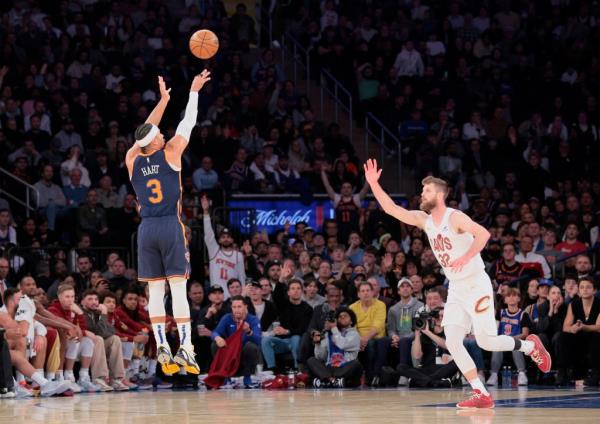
[
  {"x": 330, "y": 317},
  {"x": 425, "y": 319}
]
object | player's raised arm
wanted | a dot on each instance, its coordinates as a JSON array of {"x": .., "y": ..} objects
[
  {"x": 372, "y": 174},
  {"x": 158, "y": 111},
  {"x": 177, "y": 144}
]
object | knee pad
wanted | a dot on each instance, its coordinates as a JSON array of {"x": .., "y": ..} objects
[
  {"x": 72, "y": 351},
  {"x": 156, "y": 305},
  {"x": 181, "y": 307},
  {"x": 86, "y": 347}
]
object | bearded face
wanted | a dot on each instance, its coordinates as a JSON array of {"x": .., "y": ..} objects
[{"x": 428, "y": 198}]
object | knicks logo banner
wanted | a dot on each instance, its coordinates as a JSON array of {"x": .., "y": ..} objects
[{"x": 483, "y": 304}]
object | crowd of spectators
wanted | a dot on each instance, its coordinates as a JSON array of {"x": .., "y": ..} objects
[{"x": 459, "y": 82}]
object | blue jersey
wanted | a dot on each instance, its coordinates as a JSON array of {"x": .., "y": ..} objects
[
  {"x": 510, "y": 324},
  {"x": 157, "y": 185}
]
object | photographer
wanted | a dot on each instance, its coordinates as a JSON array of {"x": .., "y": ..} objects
[
  {"x": 335, "y": 363},
  {"x": 433, "y": 364}
]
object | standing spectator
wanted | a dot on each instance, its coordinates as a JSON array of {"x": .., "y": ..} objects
[
  {"x": 225, "y": 262},
  {"x": 370, "y": 315}
]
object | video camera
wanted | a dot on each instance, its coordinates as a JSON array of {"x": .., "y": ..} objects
[{"x": 424, "y": 319}]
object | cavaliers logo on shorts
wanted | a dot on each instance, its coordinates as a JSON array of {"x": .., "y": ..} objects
[{"x": 482, "y": 304}]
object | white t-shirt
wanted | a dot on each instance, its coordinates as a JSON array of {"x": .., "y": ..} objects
[{"x": 26, "y": 312}]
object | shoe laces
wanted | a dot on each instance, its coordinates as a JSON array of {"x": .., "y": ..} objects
[
  {"x": 536, "y": 357},
  {"x": 476, "y": 395}
]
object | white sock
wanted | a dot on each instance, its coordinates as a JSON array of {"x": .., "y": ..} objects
[
  {"x": 50, "y": 376},
  {"x": 185, "y": 337},
  {"x": 135, "y": 366},
  {"x": 84, "y": 374},
  {"x": 20, "y": 377},
  {"x": 59, "y": 375},
  {"x": 69, "y": 375},
  {"x": 38, "y": 377},
  {"x": 526, "y": 346},
  {"x": 478, "y": 384},
  {"x": 152, "y": 367},
  {"x": 159, "y": 334}
]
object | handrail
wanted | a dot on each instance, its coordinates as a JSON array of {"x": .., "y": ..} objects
[
  {"x": 384, "y": 134},
  {"x": 327, "y": 77},
  {"x": 289, "y": 42},
  {"x": 262, "y": 11},
  {"x": 28, "y": 186}
]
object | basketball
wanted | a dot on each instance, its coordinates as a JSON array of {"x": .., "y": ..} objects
[{"x": 204, "y": 44}]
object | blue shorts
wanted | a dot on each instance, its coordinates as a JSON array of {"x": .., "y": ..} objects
[{"x": 162, "y": 249}]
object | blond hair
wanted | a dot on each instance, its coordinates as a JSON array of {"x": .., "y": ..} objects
[{"x": 440, "y": 184}]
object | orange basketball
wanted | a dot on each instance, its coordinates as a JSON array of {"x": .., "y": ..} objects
[{"x": 204, "y": 44}]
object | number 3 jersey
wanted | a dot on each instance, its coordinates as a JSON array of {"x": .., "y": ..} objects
[
  {"x": 157, "y": 185},
  {"x": 448, "y": 245}
]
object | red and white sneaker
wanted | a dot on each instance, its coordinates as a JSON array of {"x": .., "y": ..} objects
[
  {"x": 539, "y": 354},
  {"x": 477, "y": 400}
]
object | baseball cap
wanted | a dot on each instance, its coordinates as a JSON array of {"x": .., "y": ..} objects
[
  {"x": 405, "y": 280},
  {"x": 545, "y": 282},
  {"x": 224, "y": 230},
  {"x": 272, "y": 264},
  {"x": 309, "y": 229},
  {"x": 214, "y": 289},
  {"x": 253, "y": 283}
]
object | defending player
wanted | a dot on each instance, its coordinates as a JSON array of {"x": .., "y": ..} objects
[
  {"x": 154, "y": 169},
  {"x": 456, "y": 241}
]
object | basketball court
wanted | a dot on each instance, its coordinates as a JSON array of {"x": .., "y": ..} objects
[{"x": 306, "y": 406}]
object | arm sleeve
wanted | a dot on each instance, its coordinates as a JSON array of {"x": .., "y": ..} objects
[
  {"x": 209, "y": 237},
  {"x": 220, "y": 330},
  {"x": 256, "y": 336},
  {"x": 322, "y": 349},
  {"x": 39, "y": 329},
  {"x": 379, "y": 319},
  {"x": 188, "y": 122},
  {"x": 350, "y": 342},
  {"x": 392, "y": 330}
]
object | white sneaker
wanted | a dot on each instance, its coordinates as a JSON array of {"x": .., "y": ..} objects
[
  {"x": 22, "y": 392},
  {"x": 522, "y": 379},
  {"x": 103, "y": 386},
  {"x": 119, "y": 386},
  {"x": 74, "y": 387},
  {"x": 52, "y": 388},
  {"x": 493, "y": 380},
  {"x": 403, "y": 381},
  {"x": 88, "y": 386}
]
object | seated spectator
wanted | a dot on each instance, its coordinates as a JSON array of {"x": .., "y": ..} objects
[
  {"x": 506, "y": 269},
  {"x": 400, "y": 318},
  {"x": 75, "y": 192},
  {"x": 72, "y": 163},
  {"x": 110, "y": 372},
  {"x": 571, "y": 244},
  {"x": 51, "y": 201},
  {"x": 91, "y": 217},
  {"x": 118, "y": 281},
  {"x": 251, "y": 340},
  {"x": 514, "y": 322},
  {"x": 580, "y": 340},
  {"x": 80, "y": 349},
  {"x": 311, "y": 293},
  {"x": 532, "y": 262},
  {"x": 370, "y": 315},
  {"x": 8, "y": 234},
  {"x": 264, "y": 310},
  {"x": 335, "y": 363},
  {"x": 205, "y": 178},
  {"x": 433, "y": 365},
  {"x": 294, "y": 317},
  {"x": 208, "y": 319},
  {"x": 16, "y": 342}
]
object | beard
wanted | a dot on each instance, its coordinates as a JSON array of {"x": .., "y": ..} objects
[
  {"x": 427, "y": 206},
  {"x": 226, "y": 244}
]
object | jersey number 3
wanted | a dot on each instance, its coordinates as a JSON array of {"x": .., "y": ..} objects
[{"x": 156, "y": 189}]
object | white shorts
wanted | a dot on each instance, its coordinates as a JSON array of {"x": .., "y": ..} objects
[{"x": 470, "y": 305}]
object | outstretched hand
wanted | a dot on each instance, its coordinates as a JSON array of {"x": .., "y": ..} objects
[
  {"x": 204, "y": 203},
  {"x": 164, "y": 91},
  {"x": 200, "y": 80},
  {"x": 372, "y": 174}
]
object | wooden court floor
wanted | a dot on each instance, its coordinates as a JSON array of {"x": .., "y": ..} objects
[{"x": 304, "y": 406}]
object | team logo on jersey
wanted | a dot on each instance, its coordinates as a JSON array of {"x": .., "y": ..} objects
[
  {"x": 482, "y": 304},
  {"x": 441, "y": 243}
]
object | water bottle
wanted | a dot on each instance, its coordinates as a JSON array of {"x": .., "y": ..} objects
[
  {"x": 291, "y": 380},
  {"x": 514, "y": 378},
  {"x": 506, "y": 377}
]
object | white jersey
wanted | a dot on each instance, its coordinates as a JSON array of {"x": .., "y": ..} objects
[
  {"x": 223, "y": 265},
  {"x": 448, "y": 245},
  {"x": 26, "y": 312}
]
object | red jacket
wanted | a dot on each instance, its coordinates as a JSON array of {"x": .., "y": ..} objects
[
  {"x": 122, "y": 331},
  {"x": 67, "y": 314},
  {"x": 135, "y": 321}
]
